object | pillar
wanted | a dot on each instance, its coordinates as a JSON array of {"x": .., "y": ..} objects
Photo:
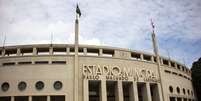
[
  {"x": 18, "y": 51},
  {"x": 86, "y": 90},
  {"x": 48, "y": 98},
  {"x": 34, "y": 51},
  {"x": 103, "y": 91},
  {"x": 51, "y": 50},
  {"x": 119, "y": 91},
  {"x": 100, "y": 52},
  {"x": 30, "y": 98},
  {"x": 85, "y": 51},
  {"x": 161, "y": 61},
  {"x": 134, "y": 95},
  {"x": 141, "y": 57},
  {"x": 12, "y": 98},
  {"x": 3, "y": 52},
  {"x": 152, "y": 59},
  {"x": 146, "y": 92},
  {"x": 159, "y": 92},
  {"x": 67, "y": 50}
]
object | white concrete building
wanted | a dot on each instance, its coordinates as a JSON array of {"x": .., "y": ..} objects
[{"x": 46, "y": 73}]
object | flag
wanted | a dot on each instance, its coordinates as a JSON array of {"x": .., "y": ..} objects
[
  {"x": 78, "y": 10},
  {"x": 152, "y": 24}
]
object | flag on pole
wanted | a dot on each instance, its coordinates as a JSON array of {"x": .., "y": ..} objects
[
  {"x": 152, "y": 24},
  {"x": 78, "y": 10}
]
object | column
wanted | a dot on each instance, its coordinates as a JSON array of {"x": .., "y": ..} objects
[
  {"x": 175, "y": 65},
  {"x": 100, "y": 52},
  {"x": 67, "y": 50},
  {"x": 103, "y": 91},
  {"x": 169, "y": 63},
  {"x": 161, "y": 61},
  {"x": 66, "y": 97},
  {"x": 51, "y": 50},
  {"x": 34, "y": 51},
  {"x": 50, "y": 53},
  {"x": 18, "y": 52},
  {"x": 141, "y": 57},
  {"x": 85, "y": 51},
  {"x": 30, "y": 98},
  {"x": 134, "y": 95},
  {"x": 147, "y": 92},
  {"x": 86, "y": 90},
  {"x": 119, "y": 91},
  {"x": 3, "y": 52},
  {"x": 12, "y": 98},
  {"x": 159, "y": 92},
  {"x": 34, "y": 54},
  {"x": 152, "y": 59},
  {"x": 48, "y": 98}
]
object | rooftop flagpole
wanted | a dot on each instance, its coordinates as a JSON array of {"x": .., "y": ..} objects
[
  {"x": 156, "y": 52},
  {"x": 76, "y": 58}
]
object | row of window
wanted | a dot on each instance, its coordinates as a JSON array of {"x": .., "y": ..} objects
[
  {"x": 185, "y": 91},
  {"x": 34, "y": 98},
  {"x": 88, "y": 51},
  {"x": 177, "y": 74},
  {"x": 180, "y": 99},
  {"x": 29, "y": 62},
  {"x": 39, "y": 85}
]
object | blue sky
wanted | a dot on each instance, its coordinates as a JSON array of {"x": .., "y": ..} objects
[{"x": 117, "y": 23}]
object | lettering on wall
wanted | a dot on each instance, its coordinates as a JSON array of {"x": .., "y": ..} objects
[{"x": 97, "y": 72}]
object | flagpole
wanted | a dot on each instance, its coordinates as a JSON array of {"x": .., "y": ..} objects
[
  {"x": 155, "y": 46},
  {"x": 76, "y": 58}
]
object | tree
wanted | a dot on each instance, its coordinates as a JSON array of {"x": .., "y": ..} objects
[{"x": 196, "y": 78}]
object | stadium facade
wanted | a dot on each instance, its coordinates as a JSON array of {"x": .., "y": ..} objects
[{"x": 73, "y": 72}]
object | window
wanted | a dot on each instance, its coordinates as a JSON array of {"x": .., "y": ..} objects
[
  {"x": 58, "y": 62},
  {"x": 39, "y": 85},
  {"x": 170, "y": 89},
  {"x": 184, "y": 91},
  {"x": 5, "y": 98},
  {"x": 25, "y": 63},
  {"x": 5, "y": 86},
  {"x": 188, "y": 92},
  {"x": 8, "y": 64},
  {"x": 57, "y": 85},
  {"x": 172, "y": 99},
  {"x": 39, "y": 98},
  {"x": 41, "y": 62},
  {"x": 57, "y": 98},
  {"x": 21, "y": 98},
  {"x": 178, "y": 90},
  {"x": 22, "y": 86}
]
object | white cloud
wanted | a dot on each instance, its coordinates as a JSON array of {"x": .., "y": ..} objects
[{"x": 122, "y": 23}]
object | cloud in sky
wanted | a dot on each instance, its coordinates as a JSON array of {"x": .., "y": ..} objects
[{"x": 122, "y": 23}]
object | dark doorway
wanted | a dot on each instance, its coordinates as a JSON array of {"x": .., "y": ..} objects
[
  {"x": 111, "y": 90},
  {"x": 94, "y": 90},
  {"x": 57, "y": 98},
  {"x": 5, "y": 98},
  {"x": 39, "y": 98},
  {"x": 21, "y": 98}
]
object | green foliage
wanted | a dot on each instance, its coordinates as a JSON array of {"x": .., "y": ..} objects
[{"x": 196, "y": 77}]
